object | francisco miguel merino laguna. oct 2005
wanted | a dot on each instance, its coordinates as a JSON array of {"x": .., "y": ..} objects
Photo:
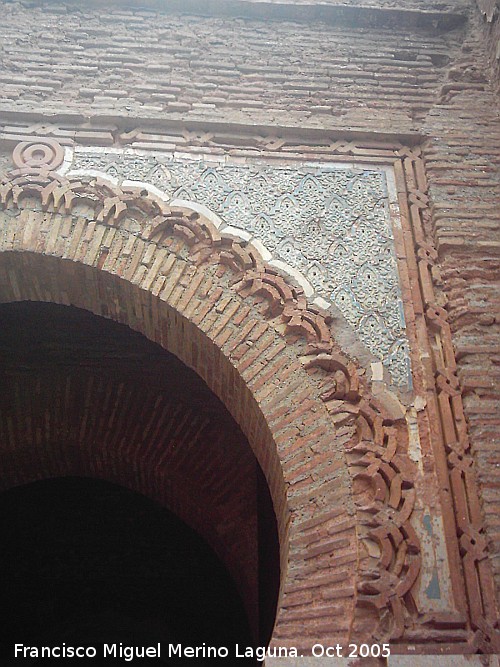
[{"x": 129, "y": 653}]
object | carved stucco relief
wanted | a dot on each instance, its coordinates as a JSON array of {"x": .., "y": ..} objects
[{"x": 328, "y": 225}]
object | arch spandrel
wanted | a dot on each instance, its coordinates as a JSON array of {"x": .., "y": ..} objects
[
  {"x": 328, "y": 227},
  {"x": 269, "y": 357}
]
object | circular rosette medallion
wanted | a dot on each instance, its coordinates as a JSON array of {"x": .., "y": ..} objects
[{"x": 38, "y": 154}]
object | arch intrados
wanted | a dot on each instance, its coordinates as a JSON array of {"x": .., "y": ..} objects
[
  {"x": 203, "y": 481},
  {"x": 305, "y": 481},
  {"x": 168, "y": 492},
  {"x": 267, "y": 456},
  {"x": 94, "y": 504},
  {"x": 132, "y": 474}
]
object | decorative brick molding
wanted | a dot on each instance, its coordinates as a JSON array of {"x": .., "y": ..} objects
[
  {"x": 454, "y": 465},
  {"x": 243, "y": 320}
]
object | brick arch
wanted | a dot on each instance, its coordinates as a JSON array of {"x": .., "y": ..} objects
[
  {"x": 286, "y": 466},
  {"x": 266, "y": 354},
  {"x": 83, "y": 396}
]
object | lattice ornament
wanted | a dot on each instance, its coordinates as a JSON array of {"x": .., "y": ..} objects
[{"x": 330, "y": 224}]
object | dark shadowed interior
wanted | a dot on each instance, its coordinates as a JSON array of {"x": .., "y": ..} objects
[
  {"x": 132, "y": 508},
  {"x": 88, "y": 562}
]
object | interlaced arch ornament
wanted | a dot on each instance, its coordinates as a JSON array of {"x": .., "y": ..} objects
[{"x": 336, "y": 461}]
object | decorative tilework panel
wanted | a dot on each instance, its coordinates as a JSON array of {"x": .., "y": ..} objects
[{"x": 330, "y": 223}]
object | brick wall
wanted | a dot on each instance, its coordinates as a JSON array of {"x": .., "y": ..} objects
[
  {"x": 490, "y": 10},
  {"x": 462, "y": 157},
  {"x": 412, "y": 75},
  {"x": 141, "y": 64}
]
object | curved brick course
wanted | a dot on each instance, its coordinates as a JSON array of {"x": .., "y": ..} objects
[{"x": 244, "y": 360}]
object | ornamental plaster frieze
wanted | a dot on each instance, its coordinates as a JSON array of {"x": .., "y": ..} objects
[{"x": 329, "y": 226}]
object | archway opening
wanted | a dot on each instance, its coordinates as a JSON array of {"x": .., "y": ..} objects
[
  {"x": 88, "y": 563},
  {"x": 86, "y": 397}
]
